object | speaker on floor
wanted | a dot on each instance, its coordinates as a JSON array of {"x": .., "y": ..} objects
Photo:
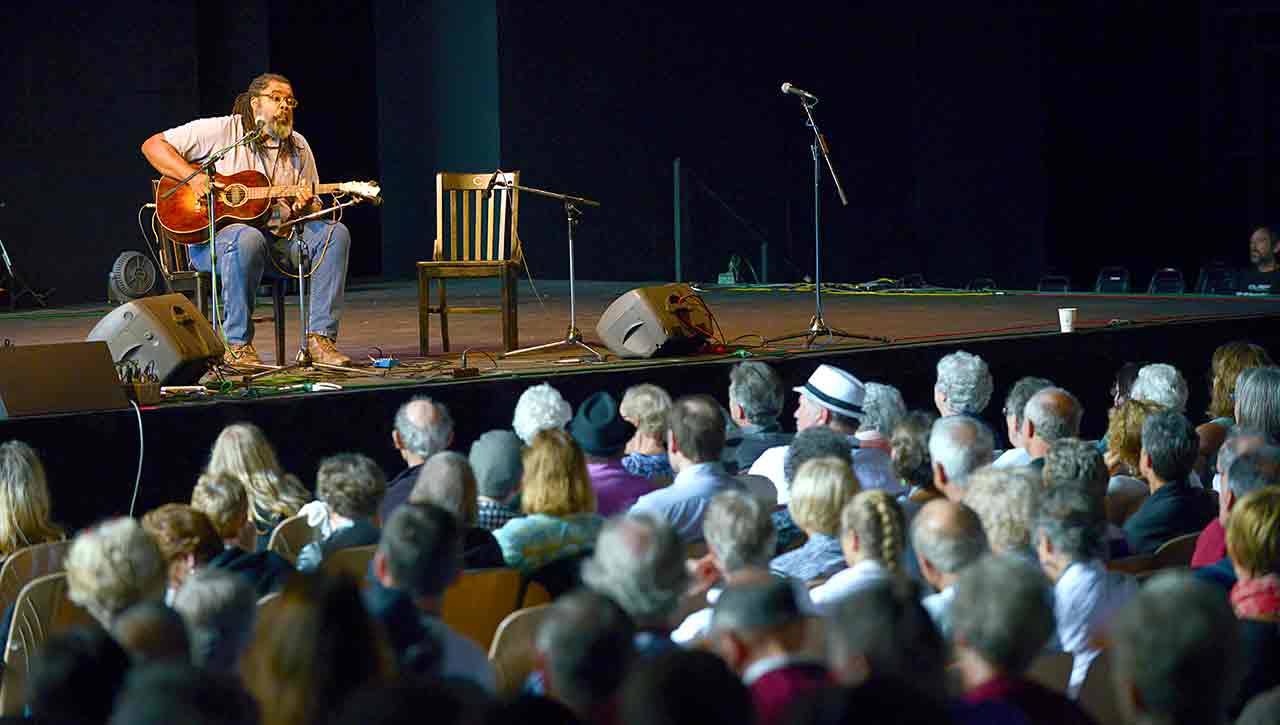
[
  {"x": 166, "y": 333},
  {"x": 669, "y": 319},
  {"x": 70, "y": 377}
]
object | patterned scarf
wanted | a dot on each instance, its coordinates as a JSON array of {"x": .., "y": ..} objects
[{"x": 1257, "y": 598}]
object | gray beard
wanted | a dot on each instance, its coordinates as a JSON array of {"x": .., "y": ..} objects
[{"x": 277, "y": 130}]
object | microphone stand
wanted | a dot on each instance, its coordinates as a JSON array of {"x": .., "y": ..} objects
[
  {"x": 572, "y": 212},
  {"x": 207, "y": 169},
  {"x": 818, "y": 326}
]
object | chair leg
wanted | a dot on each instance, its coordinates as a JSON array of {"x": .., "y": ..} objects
[
  {"x": 510, "y": 303},
  {"x": 277, "y": 306},
  {"x": 444, "y": 316},
  {"x": 424, "y": 312}
]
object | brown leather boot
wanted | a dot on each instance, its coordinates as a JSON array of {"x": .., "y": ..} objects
[
  {"x": 322, "y": 350},
  {"x": 239, "y": 356}
]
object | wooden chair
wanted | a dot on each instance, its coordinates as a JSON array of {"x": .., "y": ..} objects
[
  {"x": 1097, "y": 694},
  {"x": 513, "y": 653},
  {"x": 350, "y": 562},
  {"x": 42, "y": 610},
  {"x": 290, "y": 536},
  {"x": 27, "y": 564},
  {"x": 1176, "y": 552},
  {"x": 1053, "y": 670},
  {"x": 479, "y": 600},
  {"x": 472, "y": 242}
]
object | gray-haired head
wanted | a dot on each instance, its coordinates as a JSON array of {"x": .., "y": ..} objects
[
  {"x": 888, "y": 628},
  {"x": 1239, "y": 440},
  {"x": 961, "y": 445},
  {"x": 949, "y": 535},
  {"x": 495, "y": 461},
  {"x": 352, "y": 484},
  {"x": 446, "y": 480},
  {"x": 1073, "y": 461},
  {"x": 757, "y": 387},
  {"x": 965, "y": 381},
  {"x": 587, "y": 642},
  {"x": 1074, "y": 522},
  {"x": 1164, "y": 641},
  {"x": 1258, "y": 400},
  {"x": 424, "y": 426},
  {"x": 1253, "y": 470},
  {"x": 1171, "y": 442},
  {"x": 816, "y": 442},
  {"x": 1055, "y": 413},
  {"x": 219, "y": 607},
  {"x": 1006, "y": 501},
  {"x": 422, "y": 547},
  {"x": 639, "y": 563},
  {"x": 1161, "y": 384},
  {"x": 1015, "y": 402},
  {"x": 540, "y": 407},
  {"x": 739, "y": 530},
  {"x": 882, "y": 408},
  {"x": 1003, "y": 612},
  {"x": 756, "y": 606}
]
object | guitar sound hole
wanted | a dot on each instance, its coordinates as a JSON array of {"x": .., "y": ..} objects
[{"x": 235, "y": 195}]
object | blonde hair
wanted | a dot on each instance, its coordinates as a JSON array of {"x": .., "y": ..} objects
[
  {"x": 819, "y": 493},
  {"x": 223, "y": 500},
  {"x": 1124, "y": 429},
  {"x": 555, "y": 479},
  {"x": 1228, "y": 362},
  {"x": 877, "y": 519},
  {"x": 243, "y": 451},
  {"x": 113, "y": 566},
  {"x": 646, "y": 406},
  {"x": 1253, "y": 532},
  {"x": 24, "y": 500},
  {"x": 1006, "y": 501}
]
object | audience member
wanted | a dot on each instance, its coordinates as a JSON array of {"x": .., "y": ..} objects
[
  {"x": 819, "y": 493},
  {"x": 958, "y": 446},
  {"x": 1253, "y": 542},
  {"x": 447, "y": 481},
  {"x": 418, "y": 558},
  {"x": 646, "y": 407},
  {"x": 872, "y": 537},
  {"x": 695, "y": 441},
  {"x": 75, "y": 677},
  {"x": 113, "y": 566},
  {"x": 911, "y": 461},
  {"x": 540, "y": 407},
  {"x": 1122, "y": 385},
  {"x": 1071, "y": 543},
  {"x": 414, "y": 700},
  {"x": 756, "y": 398},
  {"x": 684, "y": 687},
  {"x": 1262, "y": 710},
  {"x": 584, "y": 648},
  {"x": 180, "y": 693},
  {"x": 495, "y": 461},
  {"x": 186, "y": 538},
  {"x": 351, "y": 486},
  {"x": 1125, "y": 489},
  {"x": 422, "y": 428},
  {"x": 222, "y": 498},
  {"x": 1051, "y": 414},
  {"x": 835, "y": 399},
  {"x": 1073, "y": 462},
  {"x": 1228, "y": 361},
  {"x": 947, "y": 537},
  {"x": 1169, "y": 447},
  {"x": 1258, "y": 400},
  {"x": 883, "y": 632},
  {"x": 761, "y": 632},
  {"x": 639, "y": 563},
  {"x": 152, "y": 632},
  {"x": 1006, "y": 501},
  {"x": 312, "y": 648},
  {"x": 964, "y": 385},
  {"x": 1247, "y": 463},
  {"x": 559, "y": 506},
  {"x": 1175, "y": 653},
  {"x": 1015, "y": 404},
  {"x": 24, "y": 500},
  {"x": 740, "y": 539},
  {"x": 602, "y": 434},
  {"x": 1002, "y": 619},
  {"x": 1161, "y": 384},
  {"x": 1262, "y": 276},
  {"x": 243, "y": 452},
  {"x": 218, "y": 608}
]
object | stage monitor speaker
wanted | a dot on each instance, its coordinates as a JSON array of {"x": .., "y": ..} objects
[
  {"x": 70, "y": 377},
  {"x": 670, "y": 319},
  {"x": 168, "y": 331}
]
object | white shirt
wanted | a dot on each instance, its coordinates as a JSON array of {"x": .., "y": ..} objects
[
  {"x": 1012, "y": 457},
  {"x": 872, "y": 466},
  {"x": 846, "y": 582},
  {"x": 1084, "y": 598},
  {"x": 939, "y": 608},
  {"x": 696, "y": 625}
]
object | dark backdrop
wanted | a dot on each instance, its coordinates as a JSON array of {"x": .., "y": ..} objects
[{"x": 998, "y": 139}]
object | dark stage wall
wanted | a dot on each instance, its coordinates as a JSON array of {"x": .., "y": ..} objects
[{"x": 977, "y": 138}]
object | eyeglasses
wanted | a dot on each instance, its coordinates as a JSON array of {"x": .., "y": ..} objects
[{"x": 286, "y": 101}]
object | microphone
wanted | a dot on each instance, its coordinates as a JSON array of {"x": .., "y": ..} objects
[
  {"x": 807, "y": 96},
  {"x": 488, "y": 189}
]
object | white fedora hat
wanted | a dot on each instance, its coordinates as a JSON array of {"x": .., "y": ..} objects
[{"x": 835, "y": 389}]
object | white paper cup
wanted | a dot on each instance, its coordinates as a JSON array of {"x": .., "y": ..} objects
[{"x": 1067, "y": 318}]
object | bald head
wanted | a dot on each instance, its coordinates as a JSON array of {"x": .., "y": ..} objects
[
  {"x": 947, "y": 536},
  {"x": 423, "y": 427},
  {"x": 1050, "y": 415}
]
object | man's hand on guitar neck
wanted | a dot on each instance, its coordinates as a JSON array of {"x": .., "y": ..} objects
[{"x": 305, "y": 202}]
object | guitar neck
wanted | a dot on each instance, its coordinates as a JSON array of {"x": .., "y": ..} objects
[{"x": 273, "y": 192}]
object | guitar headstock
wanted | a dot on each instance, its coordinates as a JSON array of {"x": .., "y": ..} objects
[{"x": 366, "y": 189}]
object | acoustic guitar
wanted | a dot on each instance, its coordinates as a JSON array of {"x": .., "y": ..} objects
[{"x": 243, "y": 197}]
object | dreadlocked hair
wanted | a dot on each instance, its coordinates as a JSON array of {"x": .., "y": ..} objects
[
  {"x": 877, "y": 520},
  {"x": 243, "y": 108}
]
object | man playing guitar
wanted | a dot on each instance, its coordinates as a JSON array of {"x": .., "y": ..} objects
[{"x": 285, "y": 158}]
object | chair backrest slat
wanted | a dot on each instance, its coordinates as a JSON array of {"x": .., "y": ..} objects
[
  {"x": 27, "y": 564},
  {"x": 488, "y": 226}
]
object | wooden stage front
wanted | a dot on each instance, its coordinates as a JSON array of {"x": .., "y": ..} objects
[{"x": 93, "y": 458}]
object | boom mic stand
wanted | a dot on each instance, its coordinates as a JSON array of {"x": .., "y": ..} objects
[
  {"x": 18, "y": 286},
  {"x": 572, "y": 212},
  {"x": 818, "y": 148}
]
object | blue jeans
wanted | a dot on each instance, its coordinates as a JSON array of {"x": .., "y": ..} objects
[{"x": 242, "y": 262}]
